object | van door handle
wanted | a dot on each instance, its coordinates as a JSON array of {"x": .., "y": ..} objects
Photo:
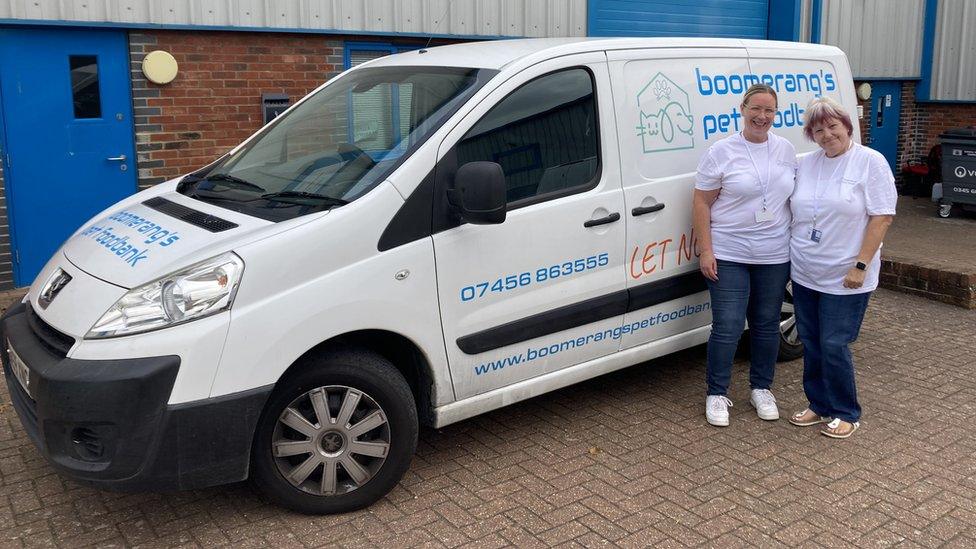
[
  {"x": 119, "y": 158},
  {"x": 603, "y": 220},
  {"x": 647, "y": 209}
]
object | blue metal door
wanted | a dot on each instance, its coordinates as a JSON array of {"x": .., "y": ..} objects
[
  {"x": 885, "y": 116},
  {"x": 67, "y": 117}
]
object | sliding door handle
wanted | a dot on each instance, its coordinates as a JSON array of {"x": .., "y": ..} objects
[
  {"x": 603, "y": 220},
  {"x": 647, "y": 209}
]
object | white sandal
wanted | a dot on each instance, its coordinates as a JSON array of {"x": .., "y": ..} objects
[
  {"x": 832, "y": 429},
  {"x": 807, "y": 418}
]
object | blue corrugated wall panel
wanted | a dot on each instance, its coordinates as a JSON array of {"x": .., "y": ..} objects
[{"x": 715, "y": 18}]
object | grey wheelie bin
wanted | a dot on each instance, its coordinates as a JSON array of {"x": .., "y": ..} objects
[{"x": 958, "y": 186}]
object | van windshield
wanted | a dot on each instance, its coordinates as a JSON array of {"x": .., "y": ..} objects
[{"x": 337, "y": 144}]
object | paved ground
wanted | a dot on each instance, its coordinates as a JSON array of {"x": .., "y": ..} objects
[
  {"x": 625, "y": 459},
  {"x": 919, "y": 237}
]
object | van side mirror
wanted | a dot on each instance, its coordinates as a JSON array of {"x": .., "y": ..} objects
[{"x": 479, "y": 194}]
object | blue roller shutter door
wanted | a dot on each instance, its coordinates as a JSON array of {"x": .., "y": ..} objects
[{"x": 713, "y": 18}]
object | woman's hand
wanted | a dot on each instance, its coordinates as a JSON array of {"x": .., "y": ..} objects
[
  {"x": 854, "y": 278},
  {"x": 702, "y": 226},
  {"x": 708, "y": 265}
]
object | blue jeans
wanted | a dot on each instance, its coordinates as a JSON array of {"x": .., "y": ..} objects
[
  {"x": 827, "y": 324},
  {"x": 745, "y": 291}
]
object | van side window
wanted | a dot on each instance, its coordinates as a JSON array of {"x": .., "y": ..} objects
[{"x": 544, "y": 135}]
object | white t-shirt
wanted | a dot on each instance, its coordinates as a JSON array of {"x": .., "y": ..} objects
[
  {"x": 742, "y": 170},
  {"x": 852, "y": 186}
]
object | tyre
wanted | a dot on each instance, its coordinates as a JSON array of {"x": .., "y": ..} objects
[
  {"x": 945, "y": 210},
  {"x": 790, "y": 347},
  {"x": 336, "y": 436}
]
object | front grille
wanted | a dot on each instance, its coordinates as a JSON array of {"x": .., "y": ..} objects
[
  {"x": 191, "y": 216},
  {"x": 57, "y": 342}
]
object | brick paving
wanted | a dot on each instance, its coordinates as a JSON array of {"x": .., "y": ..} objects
[{"x": 623, "y": 460}]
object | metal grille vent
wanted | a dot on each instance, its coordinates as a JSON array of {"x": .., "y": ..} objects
[
  {"x": 191, "y": 216},
  {"x": 54, "y": 340}
]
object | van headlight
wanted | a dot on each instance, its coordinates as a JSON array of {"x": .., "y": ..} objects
[{"x": 197, "y": 291}]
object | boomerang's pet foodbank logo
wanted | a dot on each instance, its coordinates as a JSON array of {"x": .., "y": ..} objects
[{"x": 665, "y": 120}]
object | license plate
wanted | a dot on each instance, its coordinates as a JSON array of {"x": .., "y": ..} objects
[{"x": 21, "y": 371}]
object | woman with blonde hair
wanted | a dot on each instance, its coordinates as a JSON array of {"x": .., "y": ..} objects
[
  {"x": 742, "y": 219},
  {"x": 842, "y": 206}
]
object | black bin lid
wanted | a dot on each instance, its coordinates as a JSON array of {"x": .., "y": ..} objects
[{"x": 960, "y": 133}]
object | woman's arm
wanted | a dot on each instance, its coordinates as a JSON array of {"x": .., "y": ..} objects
[
  {"x": 873, "y": 236},
  {"x": 702, "y": 223}
]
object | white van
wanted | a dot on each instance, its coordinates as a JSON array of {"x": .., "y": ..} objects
[{"x": 426, "y": 237}]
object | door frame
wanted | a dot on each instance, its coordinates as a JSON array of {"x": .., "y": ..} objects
[{"x": 7, "y": 192}]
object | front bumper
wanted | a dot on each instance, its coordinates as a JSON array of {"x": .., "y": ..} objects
[{"x": 107, "y": 422}]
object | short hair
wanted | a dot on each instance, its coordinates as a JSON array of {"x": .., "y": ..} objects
[
  {"x": 757, "y": 89},
  {"x": 822, "y": 109}
]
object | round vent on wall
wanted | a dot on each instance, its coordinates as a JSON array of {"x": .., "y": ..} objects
[{"x": 159, "y": 67}]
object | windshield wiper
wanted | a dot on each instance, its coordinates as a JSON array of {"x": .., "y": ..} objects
[
  {"x": 204, "y": 194},
  {"x": 283, "y": 196},
  {"x": 227, "y": 178}
]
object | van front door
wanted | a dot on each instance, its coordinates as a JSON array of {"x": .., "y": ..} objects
[
  {"x": 543, "y": 290},
  {"x": 68, "y": 132}
]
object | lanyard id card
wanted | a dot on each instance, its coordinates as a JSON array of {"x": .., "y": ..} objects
[
  {"x": 762, "y": 216},
  {"x": 815, "y": 233}
]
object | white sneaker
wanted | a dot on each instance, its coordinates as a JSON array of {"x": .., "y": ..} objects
[
  {"x": 765, "y": 404},
  {"x": 717, "y": 410}
]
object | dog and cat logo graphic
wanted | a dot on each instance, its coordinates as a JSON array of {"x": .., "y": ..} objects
[{"x": 665, "y": 122}]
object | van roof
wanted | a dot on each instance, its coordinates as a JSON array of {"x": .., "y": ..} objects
[{"x": 496, "y": 54}]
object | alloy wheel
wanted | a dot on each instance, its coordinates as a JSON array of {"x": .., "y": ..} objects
[
  {"x": 787, "y": 318},
  {"x": 331, "y": 440}
]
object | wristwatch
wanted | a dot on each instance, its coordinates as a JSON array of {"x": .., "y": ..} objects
[{"x": 861, "y": 266}]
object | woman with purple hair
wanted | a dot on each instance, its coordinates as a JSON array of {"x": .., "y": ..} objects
[{"x": 842, "y": 205}]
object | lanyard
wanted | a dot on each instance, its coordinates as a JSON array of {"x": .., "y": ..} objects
[
  {"x": 816, "y": 186},
  {"x": 763, "y": 186}
]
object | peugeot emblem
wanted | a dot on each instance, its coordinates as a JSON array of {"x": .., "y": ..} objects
[{"x": 53, "y": 287}]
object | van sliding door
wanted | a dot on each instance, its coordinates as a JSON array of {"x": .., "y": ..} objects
[{"x": 671, "y": 104}]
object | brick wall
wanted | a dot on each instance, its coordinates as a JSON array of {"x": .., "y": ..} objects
[
  {"x": 865, "y": 122},
  {"x": 923, "y": 122},
  {"x": 215, "y": 101},
  {"x": 919, "y": 124},
  {"x": 907, "y": 127}
]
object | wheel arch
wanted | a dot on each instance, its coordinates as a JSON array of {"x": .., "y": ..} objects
[{"x": 403, "y": 353}]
